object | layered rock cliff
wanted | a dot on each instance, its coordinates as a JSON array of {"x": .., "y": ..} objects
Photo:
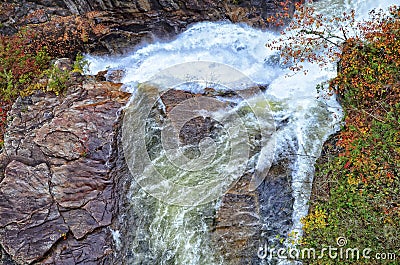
[
  {"x": 57, "y": 193},
  {"x": 114, "y": 26}
]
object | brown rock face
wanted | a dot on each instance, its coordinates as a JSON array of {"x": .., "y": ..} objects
[
  {"x": 30, "y": 221},
  {"x": 57, "y": 195},
  {"x": 113, "y": 26},
  {"x": 246, "y": 220}
]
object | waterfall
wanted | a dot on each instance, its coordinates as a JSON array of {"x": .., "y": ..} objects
[{"x": 169, "y": 232}]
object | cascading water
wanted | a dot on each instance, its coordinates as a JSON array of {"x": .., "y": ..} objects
[{"x": 162, "y": 233}]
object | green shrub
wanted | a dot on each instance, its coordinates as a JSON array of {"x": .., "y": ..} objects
[
  {"x": 19, "y": 66},
  {"x": 363, "y": 202}
]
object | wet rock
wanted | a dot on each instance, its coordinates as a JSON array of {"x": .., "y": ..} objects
[
  {"x": 276, "y": 203},
  {"x": 19, "y": 184},
  {"x": 80, "y": 222},
  {"x": 115, "y": 76},
  {"x": 237, "y": 224},
  {"x": 57, "y": 193},
  {"x": 171, "y": 98},
  {"x": 246, "y": 220},
  {"x": 29, "y": 219},
  {"x": 60, "y": 144},
  {"x": 5, "y": 259},
  {"x": 191, "y": 129},
  {"x": 121, "y": 225},
  {"x": 101, "y": 76},
  {"x": 77, "y": 183},
  {"x": 94, "y": 249}
]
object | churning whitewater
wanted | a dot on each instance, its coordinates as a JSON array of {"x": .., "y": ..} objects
[{"x": 167, "y": 234}]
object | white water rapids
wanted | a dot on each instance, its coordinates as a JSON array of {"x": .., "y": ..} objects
[{"x": 166, "y": 234}]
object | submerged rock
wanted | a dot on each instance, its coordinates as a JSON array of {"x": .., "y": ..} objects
[{"x": 244, "y": 219}]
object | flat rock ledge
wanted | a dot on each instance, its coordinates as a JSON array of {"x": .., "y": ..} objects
[{"x": 57, "y": 196}]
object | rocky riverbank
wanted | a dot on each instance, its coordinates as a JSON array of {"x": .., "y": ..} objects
[
  {"x": 63, "y": 174},
  {"x": 113, "y": 26}
]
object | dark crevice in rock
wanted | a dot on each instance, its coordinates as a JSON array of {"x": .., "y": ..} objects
[
  {"x": 5, "y": 259},
  {"x": 322, "y": 184}
]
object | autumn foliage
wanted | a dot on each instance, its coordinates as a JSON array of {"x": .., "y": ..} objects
[
  {"x": 312, "y": 37},
  {"x": 370, "y": 62},
  {"x": 368, "y": 84},
  {"x": 21, "y": 62},
  {"x": 25, "y": 57},
  {"x": 66, "y": 36},
  {"x": 362, "y": 202},
  {"x": 19, "y": 67}
]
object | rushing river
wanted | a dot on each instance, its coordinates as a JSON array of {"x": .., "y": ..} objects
[{"x": 170, "y": 228}]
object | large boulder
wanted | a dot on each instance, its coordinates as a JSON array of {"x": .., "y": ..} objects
[{"x": 57, "y": 193}]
